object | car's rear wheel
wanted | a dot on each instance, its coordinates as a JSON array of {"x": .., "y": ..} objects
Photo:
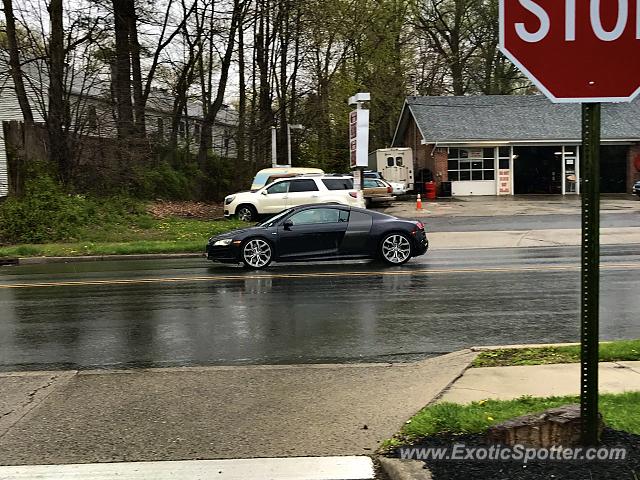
[
  {"x": 246, "y": 213},
  {"x": 257, "y": 253},
  {"x": 395, "y": 248}
]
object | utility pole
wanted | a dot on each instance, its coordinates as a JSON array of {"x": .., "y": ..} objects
[{"x": 290, "y": 127}]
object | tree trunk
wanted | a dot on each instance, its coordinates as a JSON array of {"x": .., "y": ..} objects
[
  {"x": 58, "y": 148},
  {"x": 14, "y": 62},
  {"x": 206, "y": 135},
  {"x": 242, "y": 109},
  {"x": 136, "y": 70},
  {"x": 122, "y": 82}
]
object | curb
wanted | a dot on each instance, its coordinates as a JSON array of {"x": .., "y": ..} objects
[
  {"x": 97, "y": 258},
  {"x": 398, "y": 469}
]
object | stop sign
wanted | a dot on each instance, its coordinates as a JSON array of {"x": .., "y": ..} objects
[{"x": 575, "y": 50}]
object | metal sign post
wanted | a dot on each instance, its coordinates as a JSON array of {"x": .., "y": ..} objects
[{"x": 590, "y": 280}]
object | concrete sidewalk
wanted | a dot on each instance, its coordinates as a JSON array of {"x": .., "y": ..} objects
[
  {"x": 487, "y": 206},
  {"x": 528, "y": 238},
  {"x": 215, "y": 412},
  {"x": 506, "y": 383}
]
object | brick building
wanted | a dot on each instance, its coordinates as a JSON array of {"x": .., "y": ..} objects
[{"x": 517, "y": 144}]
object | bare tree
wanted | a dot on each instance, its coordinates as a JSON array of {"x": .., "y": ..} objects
[
  {"x": 214, "y": 106},
  {"x": 58, "y": 147},
  {"x": 14, "y": 62},
  {"x": 448, "y": 25}
]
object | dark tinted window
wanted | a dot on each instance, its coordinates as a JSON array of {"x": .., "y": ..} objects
[
  {"x": 390, "y": 162},
  {"x": 399, "y": 161},
  {"x": 316, "y": 215},
  {"x": 303, "y": 186},
  {"x": 280, "y": 187},
  {"x": 344, "y": 216},
  {"x": 338, "y": 183}
]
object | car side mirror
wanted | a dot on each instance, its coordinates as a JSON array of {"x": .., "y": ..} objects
[
  {"x": 264, "y": 192},
  {"x": 287, "y": 224}
]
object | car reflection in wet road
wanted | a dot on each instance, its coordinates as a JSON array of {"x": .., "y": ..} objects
[{"x": 188, "y": 312}]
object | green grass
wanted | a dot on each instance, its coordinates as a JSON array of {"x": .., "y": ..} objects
[
  {"x": 609, "y": 352},
  {"x": 620, "y": 411},
  {"x": 134, "y": 235}
]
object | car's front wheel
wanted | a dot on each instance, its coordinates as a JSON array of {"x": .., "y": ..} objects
[
  {"x": 257, "y": 253},
  {"x": 395, "y": 248},
  {"x": 246, "y": 213}
]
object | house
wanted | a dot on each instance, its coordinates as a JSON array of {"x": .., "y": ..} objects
[
  {"x": 515, "y": 144},
  {"x": 91, "y": 113}
]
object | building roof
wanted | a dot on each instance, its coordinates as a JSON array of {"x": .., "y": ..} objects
[
  {"x": 35, "y": 75},
  {"x": 511, "y": 118}
]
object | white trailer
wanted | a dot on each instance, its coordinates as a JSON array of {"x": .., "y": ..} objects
[{"x": 395, "y": 165}]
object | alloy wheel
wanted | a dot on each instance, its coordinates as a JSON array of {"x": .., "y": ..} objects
[
  {"x": 257, "y": 253},
  {"x": 245, "y": 214},
  {"x": 396, "y": 249}
]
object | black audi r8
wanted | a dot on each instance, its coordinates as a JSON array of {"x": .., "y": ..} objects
[{"x": 321, "y": 232}]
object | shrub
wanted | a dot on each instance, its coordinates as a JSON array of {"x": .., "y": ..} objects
[
  {"x": 44, "y": 213},
  {"x": 164, "y": 181}
]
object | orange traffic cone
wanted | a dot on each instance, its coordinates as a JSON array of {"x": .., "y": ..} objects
[{"x": 419, "y": 203}]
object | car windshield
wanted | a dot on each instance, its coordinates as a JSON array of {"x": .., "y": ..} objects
[{"x": 274, "y": 220}]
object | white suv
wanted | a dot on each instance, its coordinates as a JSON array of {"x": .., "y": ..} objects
[{"x": 291, "y": 192}]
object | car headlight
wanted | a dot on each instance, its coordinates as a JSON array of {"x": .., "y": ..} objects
[
  {"x": 229, "y": 199},
  {"x": 223, "y": 243}
]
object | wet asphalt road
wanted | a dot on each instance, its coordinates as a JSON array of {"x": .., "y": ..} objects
[
  {"x": 525, "y": 222},
  {"x": 190, "y": 312}
]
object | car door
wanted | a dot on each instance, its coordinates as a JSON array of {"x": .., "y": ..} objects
[
  {"x": 302, "y": 191},
  {"x": 313, "y": 232},
  {"x": 273, "y": 199}
]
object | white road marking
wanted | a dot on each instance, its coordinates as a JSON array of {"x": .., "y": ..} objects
[{"x": 294, "y": 468}]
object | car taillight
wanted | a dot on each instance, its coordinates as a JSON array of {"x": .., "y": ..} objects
[
  {"x": 353, "y": 194},
  {"x": 420, "y": 225},
  {"x": 389, "y": 189}
]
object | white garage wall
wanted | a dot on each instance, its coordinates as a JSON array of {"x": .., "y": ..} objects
[{"x": 475, "y": 187}]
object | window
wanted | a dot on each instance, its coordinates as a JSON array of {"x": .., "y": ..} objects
[
  {"x": 303, "y": 186},
  {"x": 370, "y": 183},
  {"x": 316, "y": 216},
  {"x": 399, "y": 161},
  {"x": 338, "y": 183},
  {"x": 280, "y": 187},
  {"x": 504, "y": 157},
  {"x": 390, "y": 162},
  {"x": 471, "y": 164}
]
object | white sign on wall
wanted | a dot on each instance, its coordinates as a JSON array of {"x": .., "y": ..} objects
[
  {"x": 504, "y": 181},
  {"x": 359, "y": 138}
]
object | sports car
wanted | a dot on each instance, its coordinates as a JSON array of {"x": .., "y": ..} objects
[{"x": 321, "y": 232}]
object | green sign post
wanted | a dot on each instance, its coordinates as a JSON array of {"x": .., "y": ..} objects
[{"x": 590, "y": 280}]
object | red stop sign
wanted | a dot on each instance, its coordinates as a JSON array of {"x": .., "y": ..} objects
[{"x": 575, "y": 50}]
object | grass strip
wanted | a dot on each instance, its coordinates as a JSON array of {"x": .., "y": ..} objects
[
  {"x": 620, "y": 411},
  {"x": 173, "y": 235},
  {"x": 622, "y": 350}
]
